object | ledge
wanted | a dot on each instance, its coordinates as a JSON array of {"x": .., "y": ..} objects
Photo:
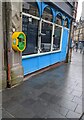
[{"x": 40, "y": 54}]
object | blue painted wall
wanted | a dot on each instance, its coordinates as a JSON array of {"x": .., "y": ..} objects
[
  {"x": 42, "y": 6},
  {"x": 32, "y": 64}
]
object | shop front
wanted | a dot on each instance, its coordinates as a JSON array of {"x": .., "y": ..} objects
[{"x": 47, "y": 33}]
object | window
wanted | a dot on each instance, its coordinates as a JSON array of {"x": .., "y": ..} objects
[
  {"x": 30, "y": 28},
  {"x": 57, "y": 38},
  {"x": 46, "y": 37},
  {"x": 46, "y": 30},
  {"x": 59, "y": 19},
  {"x": 30, "y": 8},
  {"x": 47, "y": 14},
  {"x": 39, "y": 32},
  {"x": 66, "y": 23}
]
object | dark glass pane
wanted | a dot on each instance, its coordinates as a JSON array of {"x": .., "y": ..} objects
[
  {"x": 46, "y": 37},
  {"x": 31, "y": 32},
  {"x": 57, "y": 38},
  {"x": 59, "y": 20},
  {"x": 47, "y": 14},
  {"x": 31, "y": 8},
  {"x": 66, "y": 23}
]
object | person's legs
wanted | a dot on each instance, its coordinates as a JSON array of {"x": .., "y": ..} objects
[
  {"x": 80, "y": 50},
  {"x": 70, "y": 54},
  {"x": 83, "y": 50}
]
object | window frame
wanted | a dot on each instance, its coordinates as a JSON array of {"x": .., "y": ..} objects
[
  {"x": 46, "y": 21},
  {"x": 36, "y": 18},
  {"x": 53, "y": 26},
  {"x": 60, "y": 37}
]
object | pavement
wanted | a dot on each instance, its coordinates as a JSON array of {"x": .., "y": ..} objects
[{"x": 56, "y": 93}]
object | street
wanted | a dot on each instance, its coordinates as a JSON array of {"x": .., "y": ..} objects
[{"x": 56, "y": 93}]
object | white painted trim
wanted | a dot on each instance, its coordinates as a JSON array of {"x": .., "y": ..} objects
[
  {"x": 31, "y": 16},
  {"x": 39, "y": 54},
  {"x": 39, "y": 37},
  {"x": 58, "y": 25},
  {"x": 43, "y": 20},
  {"x": 61, "y": 39},
  {"x": 52, "y": 36},
  {"x": 61, "y": 35},
  {"x": 53, "y": 27}
]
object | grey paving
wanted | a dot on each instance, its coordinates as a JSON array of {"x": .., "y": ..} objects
[{"x": 56, "y": 93}]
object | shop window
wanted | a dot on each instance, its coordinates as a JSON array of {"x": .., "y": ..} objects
[
  {"x": 57, "y": 38},
  {"x": 30, "y": 28},
  {"x": 66, "y": 23},
  {"x": 46, "y": 30},
  {"x": 46, "y": 37},
  {"x": 47, "y": 14},
  {"x": 59, "y": 19},
  {"x": 31, "y": 8}
]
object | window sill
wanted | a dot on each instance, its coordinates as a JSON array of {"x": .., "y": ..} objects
[{"x": 39, "y": 54}]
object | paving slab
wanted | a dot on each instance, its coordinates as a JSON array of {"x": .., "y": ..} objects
[{"x": 56, "y": 93}]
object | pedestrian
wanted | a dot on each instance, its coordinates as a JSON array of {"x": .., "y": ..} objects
[
  {"x": 81, "y": 46},
  {"x": 71, "y": 47},
  {"x": 76, "y": 46},
  {"x": 83, "y": 49}
]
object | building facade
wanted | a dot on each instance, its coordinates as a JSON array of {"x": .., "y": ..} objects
[
  {"x": 82, "y": 15},
  {"x": 79, "y": 28},
  {"x": 47, "y": 33},
  {"x": 79, "y": 31},
  {"x": 47, "y": 28}
]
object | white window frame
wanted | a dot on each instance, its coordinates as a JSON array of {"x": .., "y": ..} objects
[
  {"x": 36, "y": 18},
  {"x": 46, "y": 21},
  {"x": 39, "y": 38},
  {"x": 60, "y": 38},
  {"x": 31, "y": 16}
]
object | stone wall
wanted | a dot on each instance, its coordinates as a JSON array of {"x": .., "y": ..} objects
[{"x": 2, "y": 68}]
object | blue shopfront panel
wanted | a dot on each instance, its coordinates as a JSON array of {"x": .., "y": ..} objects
[
  {"x": 65, "y": 39},
  {"x": 34, "y": 63},
  {"x": 55, "y": 57},
  {"x": 64, "y": 44},
  {"x": 30, "y": 65},
  {"x": 44, "y": 60}
]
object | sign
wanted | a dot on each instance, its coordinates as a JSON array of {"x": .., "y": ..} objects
[{"x": 18, "y": 41}]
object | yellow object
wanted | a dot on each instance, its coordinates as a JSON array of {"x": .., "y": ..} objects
[{"x": 18, "y": 41}]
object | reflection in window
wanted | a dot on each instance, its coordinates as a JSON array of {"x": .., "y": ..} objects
[
  {"x": 31, "y": 31},
  {"x": 30, "y": 8},
  {"x": 57, "y": 38},
  {"x": 58, "y": 20},
  {"x": 66, "y": 23},
  {"x": 46, "y": 37},
  {"x": 47, "y": 14}
]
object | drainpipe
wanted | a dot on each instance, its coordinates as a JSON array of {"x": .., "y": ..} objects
[
  {"x": 8, "y": 19},
  {"x": 67, "y": 55}
]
